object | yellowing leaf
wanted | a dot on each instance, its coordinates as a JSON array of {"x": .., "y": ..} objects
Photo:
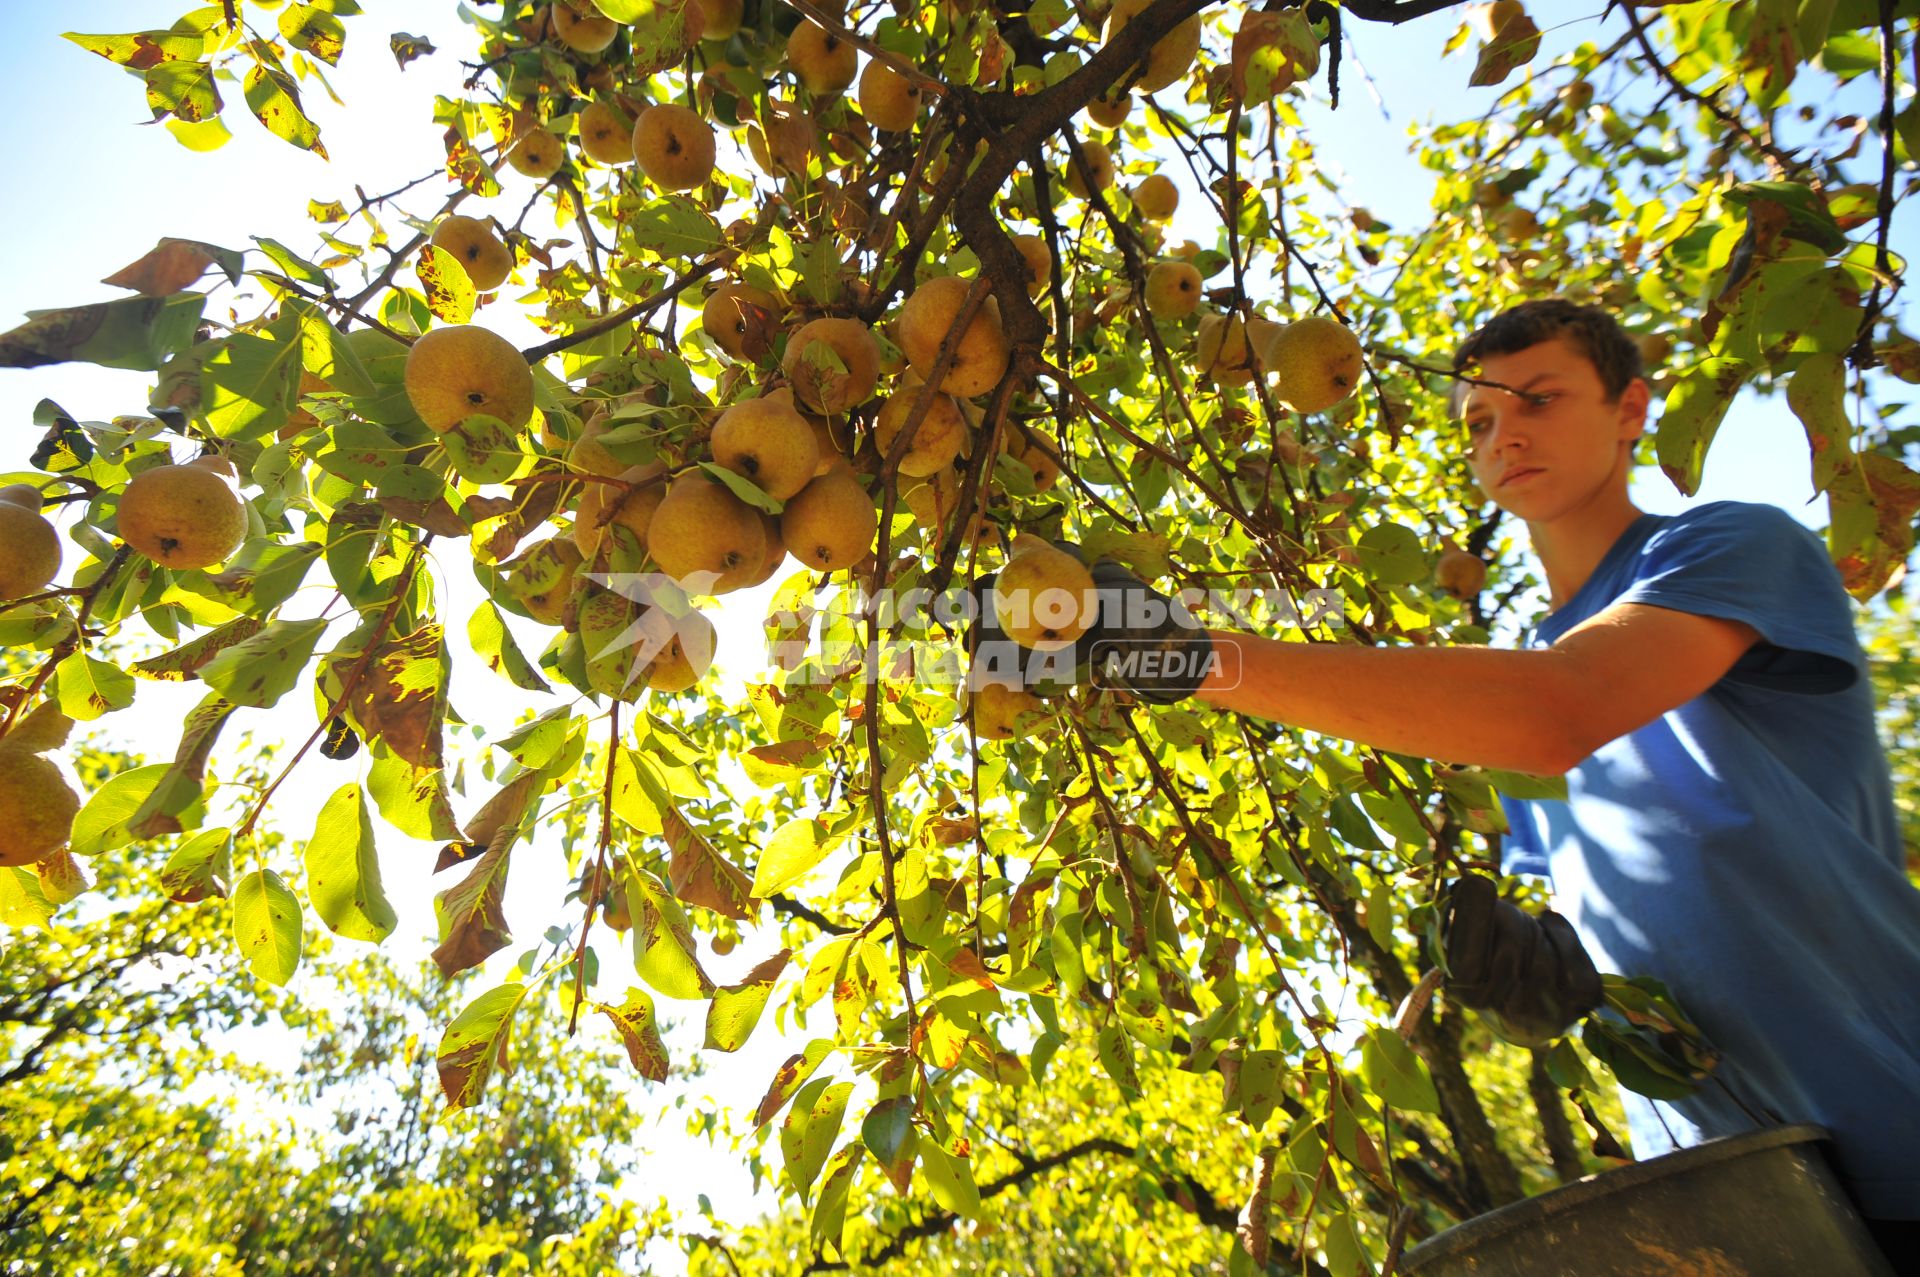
[
  {"x": 701, "y": 875},
  {"x": 790, "y": 1077},
  {"x": 736, "y": 1008},
  {"x": 476, "y": 1038},
  {"x": 795, "y": 848},
  {"x": 343, "y": 870},
  {"x": 172, "y": 264},
  {"x": 266, "y": 925},
  {"x": 641, "y": 1036}
]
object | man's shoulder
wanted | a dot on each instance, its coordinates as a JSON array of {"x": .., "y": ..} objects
[{"x": 1728, "y": 519}]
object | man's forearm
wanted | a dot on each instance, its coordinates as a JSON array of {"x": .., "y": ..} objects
[{"x": 1515, "y": 710}]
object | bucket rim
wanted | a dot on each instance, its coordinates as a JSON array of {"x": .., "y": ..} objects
[{"x": 1600, "y": 1184}]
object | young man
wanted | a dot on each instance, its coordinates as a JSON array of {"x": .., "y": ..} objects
[{"x": 1729, "y": 827}]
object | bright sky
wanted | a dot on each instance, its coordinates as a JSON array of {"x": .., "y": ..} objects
[{"x": 92, "y": 189}]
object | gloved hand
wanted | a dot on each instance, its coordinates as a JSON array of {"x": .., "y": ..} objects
[
  {"x": 1142, "y": 641},
  {"x": 1529, "y": 976}
]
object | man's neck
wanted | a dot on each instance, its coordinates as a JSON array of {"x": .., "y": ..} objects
[{"x": 1571, "y": 547}]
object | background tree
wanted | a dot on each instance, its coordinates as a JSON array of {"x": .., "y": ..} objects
[{"x": 1042, "y": 940}]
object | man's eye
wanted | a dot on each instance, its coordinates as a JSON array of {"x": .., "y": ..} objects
[
  {"x": 1540, "y": 399},
  {"x": 1477, "y": 426}
]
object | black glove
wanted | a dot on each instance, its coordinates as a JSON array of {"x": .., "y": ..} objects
[
  {"x": 1530, "y": 977},
  {"x": 1141, "y": 641}
]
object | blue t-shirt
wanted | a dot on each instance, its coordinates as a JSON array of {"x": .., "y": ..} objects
[{"x": 1744, "y": 849}]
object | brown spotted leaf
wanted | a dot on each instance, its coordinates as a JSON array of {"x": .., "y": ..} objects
[
  {"x": 408, "y": 47},
  {"x": 473, "y": 926},
  {"x": 639, "y": 1033},
  {"x": 184, "y": 662},
  {"x": 180, "y": 787},
  {"x": 172, "y": 264},
  {"x": 701, "y": 875},
  {"x": 790, "y": 1077},
  {"x": 61, "y": 877},
  {"x": 477, "y": 1037},
  {"x": 401, "y": 700},
  {"x": 736, "y": 1008},
  {"x": 450, "y": 293}
]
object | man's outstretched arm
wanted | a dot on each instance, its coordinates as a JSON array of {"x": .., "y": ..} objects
[{"x": 1536, "y": 710}]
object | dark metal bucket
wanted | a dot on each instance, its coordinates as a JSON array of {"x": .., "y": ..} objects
[{"x": 1760, "y": 1205}]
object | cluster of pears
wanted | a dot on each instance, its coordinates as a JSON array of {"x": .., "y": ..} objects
[
  {"x": 1316, "y": 361},
  {"x": 37, "y": 798},
  {"x": 29, "y": 547},
  {"x": 1044, "y": 600}
]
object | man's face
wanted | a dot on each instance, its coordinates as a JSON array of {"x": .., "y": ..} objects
[{"x": 1558, "y": 445}]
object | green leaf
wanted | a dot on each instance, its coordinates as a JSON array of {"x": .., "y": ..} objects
[
  {"x": 343, "y": 870},
  {"x": 184, "y": 90},
  {"x": 274, "y": 99},
  {"x": 207, "y": 135},
  {"x": 634, "y": 1020},
  {"x": 450, "y": 292},
  {"x": 951, "y": 1179},
  {"x": 1391, "y": 554},
  {"x": 23, "y": 901},
  {"x": 1817, "y": 393},
  {"x": 1522, "y": 785},
  {"x": 790, "y": 1077},
  {"x": 266, "y": 925},
  {"x": 474, "y": 1041},
  {"x": 1116, "y": 1057},
  {"x": 142, "y": 50},
  {"x": 260, "y": 670},
  {"x": 493, "y": 643},
  {"x": 200, "y": 867},
  {"x": 829, "y": 1221},
  {"x": 248, "y": 386},
  {"x": 811, "y": 1130},
  {"x": 1693, "y": 414},
  {"x": 293, "y": 265},
  {"x": 744, "y": 488},
  {"x": 736, "y": 1008},
  {"x": 140, "y": 333},
  {"x": 1395, "y": 1074},
  {"x": 793, "y": 851},
  {"x": 675, "y": 226},
  {"x": 484, "y": 449},
  {"x": 413, "y": 802},
  {"x": 663, "y": 953},
  {"x": 102, "y": 824},
  {"x": 177, "y": 792},
  {"x": 88, "y": 688}
]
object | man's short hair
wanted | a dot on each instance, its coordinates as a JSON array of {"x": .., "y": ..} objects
[{"x": 1591, "y": 330}]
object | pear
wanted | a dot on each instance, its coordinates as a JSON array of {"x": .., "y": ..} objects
[
  {"x": 1038, "y": 459},
  {"x": 1171, "y": 56},
  {"x": 605, "y": 505},
  {"x": 787, "y": 141},
  {"x": 674, "y": 147},
  {"x": 1099, "y": 163},
  {"x": 722, "y": 18},
  {"x": 583, "y": 32},
  {"x": 29, "y": 546},
  {"x": 538, "y": 155},
  {"x": 1039, "y": 260},
  {"x": 37, "y": 806},
  {"x": 820, "y": 59},
  {"x": 776, "y": 551},
  {"x": 184, "y": 517},
  {"x": 833, "y": 364},
  {"x": 486, "y": 260},
  {"x": 686, "y": 657},
  {"x": 888, "y": 99},
  {"x": 941, "y": 436},
  {"x": 741, "y": 320},
  {"x": 465, "y": 371},
  {"x": 705, "y": 537},
  {"x": 1460, "y": 574},
  {"x": 831, "y": 523},
  {"x": 543, "y": 577},
  {"x": 1655, "y": 349},
  {"x": 588, "y": 455},
  {"x": 1222, "y": 353},
  {"x": 1156, "y": 197},
  {"x": 1173, "y": 290},
  {"x": 1272, "y": 52},
  {"x": 980, "y": 359},
  {"x": 1044, "y": 598},
  {"x": 999, "y": 711},
  {"x": 769, "y": 442},
  {"x": 605, "y": 134},
  {"x": 1318, "y": 362},
  {"x": 1110, "y": 114}
]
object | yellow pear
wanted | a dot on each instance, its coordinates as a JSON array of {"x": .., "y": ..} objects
[
  {"x": 583, "y": 30},
  {"x": 1222, "y": 352},
  {"x": 769, "y": 442},
  {"x": 486, "y": 260},
  {"x": 37, "y": 806},
  {"x": 1039, "y": 260},
  {"x": 832, "y": 447},
  {"x": 940, "y": 437},
  {"x": 722, "y": 18},
  {"x": 588, "y": 455},
  {"x": 465, "y": 371},
  {"x": 776, "y": 551},
  {"x": 831, "y": 523},
  {"x": 833, "y": 364},
  {"x": 183, "y": 517},
  {"x": 674, "y": 146},
  {"x": 888, "y": 99},
  {"x": 787, "y": 141},
  {"x": 1036, "y": 454},
  {"x": 705, "y": 537},
  {"x": 539, "y": 155},
  {"x": 1460, "y": 574},
  {"x": 980, "y": 359},
  {"x": 605, "y": 134},
  {"x": 542, "y": 579},
  {"x": 1272, "y": 52},
  {"x": 820, "y": 59},
  {"x": 741, "y": 320},
  {"x": 29, "y": 546},
  {"x": 999, "y": 711},
  {"x": 1156, "y": 197},
  {"x": 1517, "y": 224},
  {"x": 1171, "y": 55},
  {"x": 1099, "y": 162},
  {"x": 1173, "y": 290},
  {"x": 605, "y": 505},
  {"x": 1110, "y": 114},
  {"x": 1044, "y": 598},
  {"x": 1318, "y": 362},
  {"x": 686, "y": 657}
]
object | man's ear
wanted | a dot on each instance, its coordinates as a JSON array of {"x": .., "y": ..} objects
[{"x": 1633, "y": 408}]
